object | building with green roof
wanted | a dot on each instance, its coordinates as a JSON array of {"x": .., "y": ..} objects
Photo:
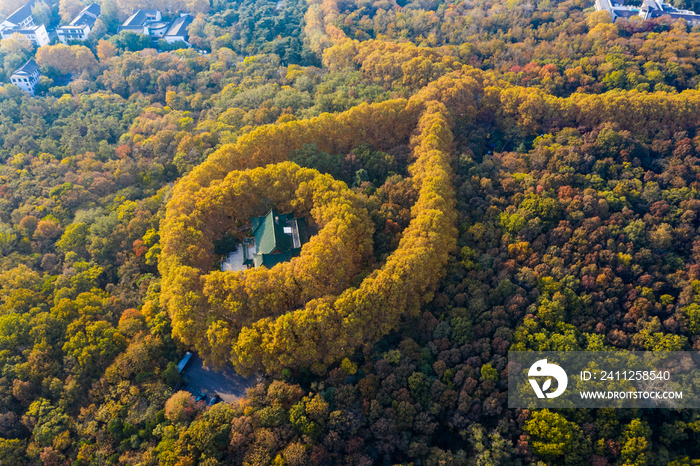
[{"x": 278, "y": 238}]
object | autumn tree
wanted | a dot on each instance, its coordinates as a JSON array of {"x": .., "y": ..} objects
[
  {"x": 17, "y": 43},
  {"x": 105, "y": 50},
  {"x": 66, "y": 58},
  {"x": 69, "y": 9},
  {"x": 9, "y": 7}
]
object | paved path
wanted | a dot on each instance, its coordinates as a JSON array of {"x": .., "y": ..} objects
[
  {"x": 234, "y": 261},
  {"x": 228, "y": 384}
]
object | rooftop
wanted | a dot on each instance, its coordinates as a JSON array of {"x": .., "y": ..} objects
[
  {"x": 77, "y": 27},
  {"x": 27, "y": 69},
  {"x": 136, "y": 19},
  {"x": 179, "y": 26},
  {"x": 27, "y": 29},
  {"x": 93, "y": 9},
  {"x": 87, "y": 17},
  {"x": 22, "y": 13},
  {"x": 147, "y": 12},
  {"x": 84, "y": 20},
  {"x": 139, "y": 18},
  {"x": 269, "y": 233},
  {"x": 649, "y": 9},
  {"x": 157, "y": 24},
  {"x": 278, "y": 238}
]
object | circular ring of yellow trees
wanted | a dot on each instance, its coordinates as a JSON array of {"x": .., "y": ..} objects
[{"x": 304, "y": 313}]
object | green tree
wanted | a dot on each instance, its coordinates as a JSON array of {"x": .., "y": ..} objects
[
  {"x": 557, "y": 440},
  {"x": 46, "y": 421},
  {"x": 12, "y": 452},
  {"x": 94, "y": 347},
  {"x": 74, "y": 239},
  {"x": 41, "y": 12}
]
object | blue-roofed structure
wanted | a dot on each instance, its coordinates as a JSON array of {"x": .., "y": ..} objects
[{"x": 183, "y": 362}]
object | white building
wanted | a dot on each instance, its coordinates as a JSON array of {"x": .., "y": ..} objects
[
  {"x": 36, "y": 34},
  {"x": 138, "y": 22},
  {"x": 656, "y": 8},
  {"x": 80, "y": 27},
  {"x": 27, "y": 77},
  {"x": 650, "y": 9},
  {"x": 616, "y": 8},
  {"x": 22, "y": 22},
  {"x": 150, "y": 23},
  {"x": 20, "y": 18},
  {"x": 156, "y": 29}
]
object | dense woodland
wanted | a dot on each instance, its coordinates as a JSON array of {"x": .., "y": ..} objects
[{"x": 523, "y": 174}]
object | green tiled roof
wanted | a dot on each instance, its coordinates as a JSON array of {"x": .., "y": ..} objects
[
  {"x": 269, "y": 233},
  {"x": 272, "y": 244},
  {"x": 270, "y": 260}
]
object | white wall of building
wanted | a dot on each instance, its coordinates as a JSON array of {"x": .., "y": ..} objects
[
  {"x": 73, "y": 34},
  {"x": 38, "y": 36},
  {"x": 26, "y": 84}
]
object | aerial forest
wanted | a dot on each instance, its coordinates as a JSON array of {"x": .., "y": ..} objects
[{"x": 481, "y": 177}]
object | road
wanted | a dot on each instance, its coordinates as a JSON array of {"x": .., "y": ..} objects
[{"x": 226, "y": 382}]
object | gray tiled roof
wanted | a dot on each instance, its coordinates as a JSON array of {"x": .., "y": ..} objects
[
  {"x": 26, "y": 30},
  {"x": 22, "y": 13},
  {"x": 93, "y": 9},
  {"x": 28, "y": 68},
  {"x": 136, "y": 19},
  {"x": 83, "y": 20},
  {"x": 179, "y": 26},
  {"x": 687, "y": 17}
]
